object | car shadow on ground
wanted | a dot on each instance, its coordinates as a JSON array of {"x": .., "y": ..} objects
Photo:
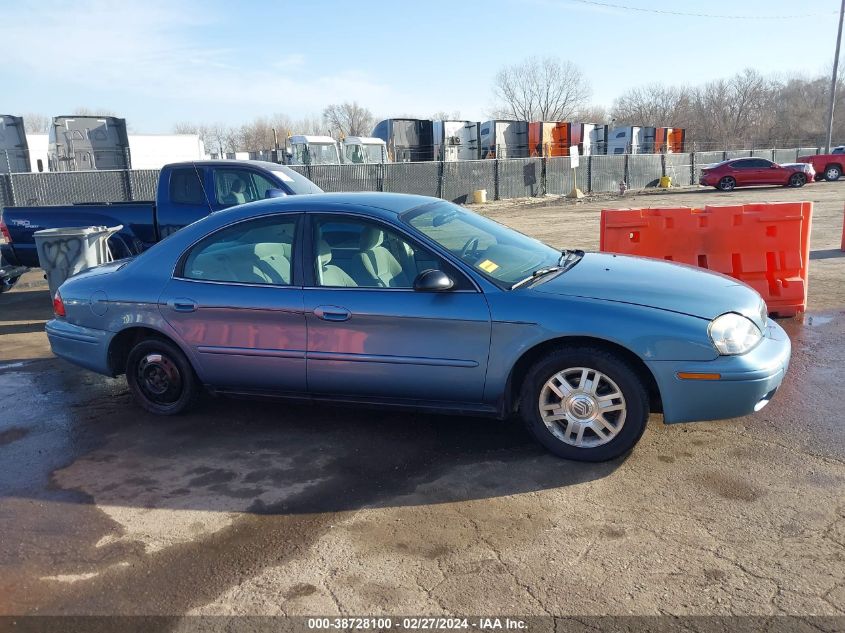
[{"x": 264, "y": 457}]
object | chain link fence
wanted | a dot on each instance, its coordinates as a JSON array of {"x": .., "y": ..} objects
[{"x": 456, "y": 181}]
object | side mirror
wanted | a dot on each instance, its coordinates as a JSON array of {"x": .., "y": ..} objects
[
  {"x": 433, "y": 281},
  {"x": 775, "y": 166},
  {"x": 275, "y": 193}
]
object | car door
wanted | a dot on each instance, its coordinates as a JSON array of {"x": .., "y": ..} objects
[
  {"x": 766, "y": 173},
  {"x": 744, "y": 172},
  {"x": 371, "y": 335},
  {"x": 236, "y": 300},
  {"x": 239, "y": 185}
]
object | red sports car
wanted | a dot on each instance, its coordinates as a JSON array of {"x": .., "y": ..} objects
[{"x": 743, "y": 172}]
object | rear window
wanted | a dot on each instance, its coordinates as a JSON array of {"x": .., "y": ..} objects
[{"x": 186, "y": 187}]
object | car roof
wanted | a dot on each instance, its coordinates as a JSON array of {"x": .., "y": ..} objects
[
  {"x": 228, "y": 162},
  {"x": 388, "y": 204}
]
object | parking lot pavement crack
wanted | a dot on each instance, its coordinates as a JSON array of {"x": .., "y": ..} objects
[
  {"x": 333, "y": 595},
  {"x": 486, "y": 541}
]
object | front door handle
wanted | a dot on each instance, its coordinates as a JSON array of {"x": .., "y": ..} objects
[
  {"x": 182, "y": 305},
  {"x": 332, "y": 313}
]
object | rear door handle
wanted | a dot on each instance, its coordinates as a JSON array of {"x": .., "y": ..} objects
[
  {"x": 182, "y": 305},
  {"x": 332, "y": 313}
]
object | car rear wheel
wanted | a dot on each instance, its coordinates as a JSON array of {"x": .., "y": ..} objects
[
  {"x": 160, "y": 377},
  {"x": 584, "y": 404},
  {"x": 797, "y": 180},
  {"x": 726, "y": 184},
  {"x": 832, "y": 172}
]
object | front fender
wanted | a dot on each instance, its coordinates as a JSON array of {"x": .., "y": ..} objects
[{"x": 649, "y": 333}]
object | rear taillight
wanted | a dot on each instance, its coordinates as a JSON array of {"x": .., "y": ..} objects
[
  {"x": 4, "y": 231},
  {"x": 58, "y": 305}
]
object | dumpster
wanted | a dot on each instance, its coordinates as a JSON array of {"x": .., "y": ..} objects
[{"x": 65, "y": 252}]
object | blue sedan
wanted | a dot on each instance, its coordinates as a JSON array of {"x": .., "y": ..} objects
[{"x": 408, "y": 301}]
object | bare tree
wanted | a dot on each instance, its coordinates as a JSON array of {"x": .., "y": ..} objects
[
  {"x": 546, "y": 89},
  {"x": 592, "y": 114},
  {"x": 35, "y": 123},
  {"x": 443, "y": 115},
  {"x": 348, "y": 119},
  {"x": 655, "y": 105},
  {"x": 86, "y": 111}
]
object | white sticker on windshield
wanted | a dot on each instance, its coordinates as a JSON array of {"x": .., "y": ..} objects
[{"x": 284, "y": 176}]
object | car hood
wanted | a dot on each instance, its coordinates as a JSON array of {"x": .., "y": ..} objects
[{"x": 656, "y": 284}]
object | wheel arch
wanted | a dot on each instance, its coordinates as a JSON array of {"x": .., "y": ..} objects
[
  {"x": 129, "y": 337},
  {"x": 832, "y": 164},
  {"x": 523, "y": 365}
]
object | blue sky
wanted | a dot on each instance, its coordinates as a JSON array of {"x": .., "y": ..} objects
[{"x": 158, "y": 62}]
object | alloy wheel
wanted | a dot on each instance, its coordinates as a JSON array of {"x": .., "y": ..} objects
[{"x": 582, "y": 407}]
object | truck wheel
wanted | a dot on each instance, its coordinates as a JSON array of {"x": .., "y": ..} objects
[
  {"x": 797, "y": 180},
  {"x": 832, "y": 173},
  {"x": 6, "y": 286},
  {"x": 726, "y": 184},
  {"x": 584, "y": 404},
  {"x": 160, "y": 377}
]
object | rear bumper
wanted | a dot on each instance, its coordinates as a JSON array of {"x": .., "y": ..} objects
[
  {"x": 746, "y": 385},
  {"x": 86, "y": 347}
]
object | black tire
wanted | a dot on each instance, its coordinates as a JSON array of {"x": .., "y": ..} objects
[
  {"x": 8, "y": 285},
  {"x": 797, "y": 180},
  {"x": 161, "y": 378},
  {"x": 619, "y": 371},
  {"x": 832, "y": 173},
  {"x": 727, "y": 183}
]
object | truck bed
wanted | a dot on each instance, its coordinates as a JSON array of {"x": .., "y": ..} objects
[{"x": 137, "y": 218}]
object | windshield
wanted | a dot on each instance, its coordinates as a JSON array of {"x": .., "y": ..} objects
[
  {"x": 295, "y": 181},
  {"x": 323, "y": 153},
  {"x": 375, "y": 153},
  {"x": 501, "y": 254}
]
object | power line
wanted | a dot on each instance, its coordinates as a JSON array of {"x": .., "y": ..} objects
[{"x": 610, "y": 5}]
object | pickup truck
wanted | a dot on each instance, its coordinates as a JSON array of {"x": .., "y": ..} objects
[
  {"x": 186, "y": 192},
  {"x": 827, "y": 166}
]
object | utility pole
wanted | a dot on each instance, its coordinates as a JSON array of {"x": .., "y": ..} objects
[{"x": 833, "y": 81}]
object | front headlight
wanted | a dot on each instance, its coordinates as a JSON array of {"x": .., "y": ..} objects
[{"x": 733, "y": 333}]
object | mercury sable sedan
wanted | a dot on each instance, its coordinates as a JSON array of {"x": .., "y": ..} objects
[{"x": 414, "y": 302}]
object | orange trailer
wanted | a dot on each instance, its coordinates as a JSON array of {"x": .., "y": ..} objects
[
  {"x": 550, "y": 138},
  {"x": 669, "y": 140}
]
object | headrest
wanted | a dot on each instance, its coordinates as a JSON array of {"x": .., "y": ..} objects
[
  {"x": 324, "y": 254},
  {"x": 371, "y": 237}
]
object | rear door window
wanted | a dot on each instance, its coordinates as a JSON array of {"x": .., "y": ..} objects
[
  {"x": 253, "y": 252},
  {"x": 186, "y": 187}
]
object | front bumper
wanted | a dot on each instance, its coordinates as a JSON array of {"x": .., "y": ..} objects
[
  {"x": 747, "y": 382},
  {"x": 86, "y": 347}
]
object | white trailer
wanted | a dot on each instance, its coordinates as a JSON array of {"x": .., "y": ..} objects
[
  {"x": 456, "y": 140},
  {"x": 363, "y": 149},
  {"x": 154, "y": 151},
  {"x": 504, "y": 139},
  {"x": 631, "y": 140},
  {"x": 308, "y": 149}
]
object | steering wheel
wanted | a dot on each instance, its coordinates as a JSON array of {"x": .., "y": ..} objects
[{"x": 471, "y": 246}]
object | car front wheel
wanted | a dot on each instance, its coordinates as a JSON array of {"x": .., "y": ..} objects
[
  {"x": 832, "y": 173},
  {"x": 797, "y": 180},
  {"x": 726, "y": 184},
  {"x": 584, "y": 404},
  {"x": 160, "y": 377}
]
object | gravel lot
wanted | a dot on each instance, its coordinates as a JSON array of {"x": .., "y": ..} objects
[{"x": 272, "y": 508}]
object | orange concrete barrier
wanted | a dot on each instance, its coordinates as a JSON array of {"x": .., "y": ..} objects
[{"x": 765, "y": 245}]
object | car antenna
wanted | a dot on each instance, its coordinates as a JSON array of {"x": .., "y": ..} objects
[{"x": 202, "y": 186}]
